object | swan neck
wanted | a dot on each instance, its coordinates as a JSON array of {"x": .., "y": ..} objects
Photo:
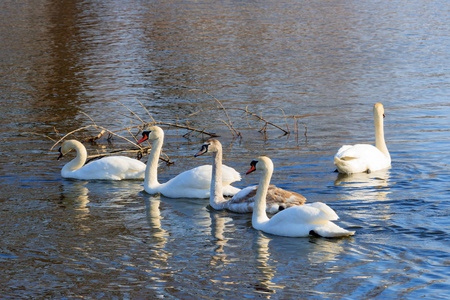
[
  {"x": 380, "y": 143},
  {"x": 259, "y": 209},
  {"x": 216, "y": 199},
  {"x": 79, "y": 160},
  {"x": 151, "y": 171}
]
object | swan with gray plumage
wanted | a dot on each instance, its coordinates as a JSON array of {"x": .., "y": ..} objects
[
  {"x": 277, "y": 199},
  {"x": 297, "y": 221},
  {"x": 363, "y": 157},
  {"x": 194, "y": 183},
  {"x": 106, "y": 168}
]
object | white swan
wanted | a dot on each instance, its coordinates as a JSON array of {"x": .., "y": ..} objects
[
  {"x": 277, "y": 199},
  {"x": 297, "y": 221},
  {"x": 193, "y": 183},
  {"x": 106, "y": 168},
  {"x": 362, "y": 157}
]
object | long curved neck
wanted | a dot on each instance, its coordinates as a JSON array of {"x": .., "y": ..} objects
[
  {"x": 216, "y": 199},
  {"x": 79, "y": 160},
  {"x": 259, "y": 208},
  {"x": 380, "y": 143},
  {"x": 151, "y": 171}
]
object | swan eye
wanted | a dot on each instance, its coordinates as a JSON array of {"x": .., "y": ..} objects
[{"x": 384, "y": 116}]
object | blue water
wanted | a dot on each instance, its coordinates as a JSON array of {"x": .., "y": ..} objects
[{"x": 312, "y": 68}]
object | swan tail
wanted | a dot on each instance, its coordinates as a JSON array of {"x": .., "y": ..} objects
[
  {"x": 349, "y": 164},
  {"x": 332, "y": 230},
  {"x": 229, "y": 190}
]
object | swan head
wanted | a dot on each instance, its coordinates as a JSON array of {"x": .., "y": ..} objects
[
  {"x": 261, "y": 163},
  {"x": 378, "y": 110},
  {"x": 211, "y": 145},
  {"x": 66, "y": 147},
  {"x": 152, "y": 133}
]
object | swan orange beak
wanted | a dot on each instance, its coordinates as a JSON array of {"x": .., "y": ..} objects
[
  {"x": 60, "y": 154},
  {"x": 144, "y": 137},
  {"x": 252, "y": 168}
]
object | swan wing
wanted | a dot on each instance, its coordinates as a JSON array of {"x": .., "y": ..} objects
[
  {"x": 313, "y": 213},
  {"x": 358, "y": 151},
  {"x": 360, "y": 158},
  {"x": 111, "y": 168},
  {"x": 284, "y": 198},
  {"x": 330, "y": 229},
  {"x": 200, "y": 178},
  {"x": 229, "y": 175},
  {"x": 300, "y": 221},
  {"x": 277, "y": 199}
]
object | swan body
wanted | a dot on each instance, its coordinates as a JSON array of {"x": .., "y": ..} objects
[
  {"x": 297, "y": 221},
  {"x": 277, "y": 199},
  {"x": 106, "y": 168},
  {"x": 194, "y": 183},
  {"x": 362, "y": 157}
]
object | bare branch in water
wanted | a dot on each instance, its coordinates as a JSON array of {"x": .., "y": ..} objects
[
  {"x": 40, "y": 134},
  {"x": 229, "y": 124},
  {"x": 139, "y": 153},
  {"x": 153, "y": 120},
  {"x": 132, "y": 112},
  {"x": 139, "y": 150}
]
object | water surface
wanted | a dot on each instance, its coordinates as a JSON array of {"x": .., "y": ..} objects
[{"x": 64, "y": 65}]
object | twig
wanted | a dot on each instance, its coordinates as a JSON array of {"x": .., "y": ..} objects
[
  {"x": 261, "y": 119},
  {"x": 132, "y": 112},
  {"x": 146, "y": 111},
  {"x": 72, "y": 132},
  {"x": 306, "y": 131},
  {"x": 247, "y": 112},
  {"x": 98, "y": 127},
  {"x": 144, "y": 150},
  {"x": 230, "y": 125},
  {"x": 284, "y": 115},
  {"x": 41, "y": 134},
  {"x": 183, "y": 127},
  {"x": 87, "y": 116}
]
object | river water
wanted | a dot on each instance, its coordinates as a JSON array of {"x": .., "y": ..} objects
[{"x": 65, "y": 64}]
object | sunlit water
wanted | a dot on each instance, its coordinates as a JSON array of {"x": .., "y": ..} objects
[{"x": 323, "y": 62}]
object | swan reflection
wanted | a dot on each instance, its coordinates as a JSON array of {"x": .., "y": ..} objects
[
  {"x": 366, "y": 186},
  {"x": 266, "y": 271},
  {"x": 158, "y": 234},
  {"x": 75, "y": 194},
  {"x": 75, "y": 198},
  {"x": 218, "y": 221}
]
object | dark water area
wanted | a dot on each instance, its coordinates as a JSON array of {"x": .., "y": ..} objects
[{"x": 65, "y": 64}]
